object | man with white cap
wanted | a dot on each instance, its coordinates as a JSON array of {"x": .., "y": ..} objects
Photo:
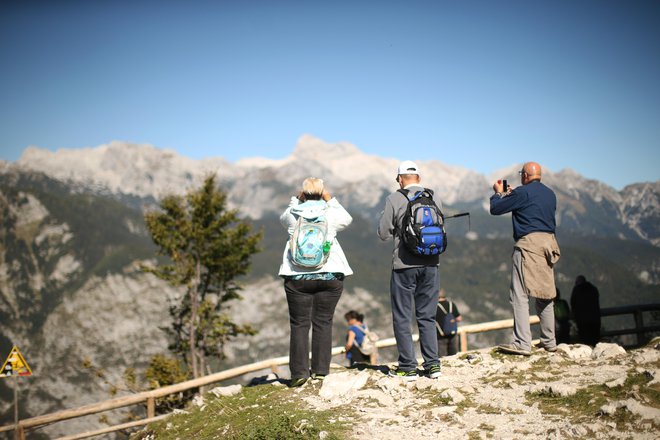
[{"x": 414, "y": 282}]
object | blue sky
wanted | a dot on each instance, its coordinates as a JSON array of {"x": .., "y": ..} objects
[{"x": 480, "y": 84}]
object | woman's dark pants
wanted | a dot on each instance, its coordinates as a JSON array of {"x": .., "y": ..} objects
[{"x": 311, "y": 304}]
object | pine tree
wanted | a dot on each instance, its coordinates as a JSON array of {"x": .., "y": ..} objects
[{"x": 207, "y": 246}]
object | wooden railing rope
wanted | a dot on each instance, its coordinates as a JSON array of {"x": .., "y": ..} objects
[{"x": 149, "y": 397}]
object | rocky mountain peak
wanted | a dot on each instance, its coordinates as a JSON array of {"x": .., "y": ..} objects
[
  {"x": 311, "y": 147},
  {"x": 360, "y": 179},
  {"x": 123, "y": 167}
]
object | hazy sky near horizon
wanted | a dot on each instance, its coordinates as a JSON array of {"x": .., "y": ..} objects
[{"x": 480, "y": 84}]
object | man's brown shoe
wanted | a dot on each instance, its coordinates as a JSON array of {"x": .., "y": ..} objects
[{"x": 512, "y": 349}]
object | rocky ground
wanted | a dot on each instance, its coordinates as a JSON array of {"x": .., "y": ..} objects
[
  {"x": 489, "y": 395},
  {"x": 575, "y": 392}
]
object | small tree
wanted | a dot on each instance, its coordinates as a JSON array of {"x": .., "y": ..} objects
[
  {"x": 164, "y": 371},
  {"x": 208, "y": 247}
]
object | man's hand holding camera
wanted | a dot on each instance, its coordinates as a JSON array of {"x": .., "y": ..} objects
[{"x": 499, "y": 187}]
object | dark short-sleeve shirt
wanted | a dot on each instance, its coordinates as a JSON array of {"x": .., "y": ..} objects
[
  {"x": 532, "y": 208},
  {"x": 440, "y": 315}
]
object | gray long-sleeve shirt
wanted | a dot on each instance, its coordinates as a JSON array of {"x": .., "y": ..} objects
[{"x": 390, "y": 225}]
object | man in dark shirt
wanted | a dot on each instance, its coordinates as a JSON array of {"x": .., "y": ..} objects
[
  {"x": 447, "y": 343},
  {"x": 585, "y": 304},
  {"x": 532, "y": 207}
]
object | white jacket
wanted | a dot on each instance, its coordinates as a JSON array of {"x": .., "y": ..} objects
[{"x": 337, "y": 217}]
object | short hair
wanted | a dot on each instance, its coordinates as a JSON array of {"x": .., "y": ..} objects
[
  {"x": 312, "y": 188},
  {"x": 352, "y": 314}
]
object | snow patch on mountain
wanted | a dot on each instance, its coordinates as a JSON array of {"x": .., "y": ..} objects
[
  {"x": 66, "y": 267},
  {"x": 29, "y": 211}
]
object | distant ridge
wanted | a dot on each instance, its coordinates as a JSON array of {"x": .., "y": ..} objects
[{"x": 260, "y": 186}]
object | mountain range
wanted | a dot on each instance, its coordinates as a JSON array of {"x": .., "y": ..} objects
[{"x": 73, "y": 237}]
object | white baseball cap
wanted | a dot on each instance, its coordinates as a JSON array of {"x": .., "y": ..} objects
[{"x": 408, "y": 167}]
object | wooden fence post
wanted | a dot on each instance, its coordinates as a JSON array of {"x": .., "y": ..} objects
[
  {"x": 464, "y": 342},
  {"x": 20, "y": 432},
  {"x": 151, "y": 407},
  {"x": 639, "y": 323}
]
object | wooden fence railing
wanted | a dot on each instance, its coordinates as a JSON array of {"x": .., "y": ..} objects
[
  {"x": 148, "y": 398},
  {"x": 640, "y": 330}
]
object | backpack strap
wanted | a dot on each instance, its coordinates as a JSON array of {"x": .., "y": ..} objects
[
  {"x": 439, "y": 328},
  {"x": 437, "y": 324},
  {"x": 406, "y": 192},
  {"x": 443, "y": 309}
]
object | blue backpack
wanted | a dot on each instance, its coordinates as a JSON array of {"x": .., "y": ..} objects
[
  {"x": 423, "y": 224},
  {"x": 449, "y": 325}
]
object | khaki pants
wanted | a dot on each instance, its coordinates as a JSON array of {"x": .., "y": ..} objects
[{"x": 522, "y": 333}]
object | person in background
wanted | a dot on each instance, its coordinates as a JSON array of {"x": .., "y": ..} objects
[
  {"x": 447, "y": 343},
  {"x": 532, "y": 206},
  {"x": 585, "y": 303},
  {"x": 355, "y": 337},
  {"x": 312, "y": 293},
  {"x": 562, "y": 320}
]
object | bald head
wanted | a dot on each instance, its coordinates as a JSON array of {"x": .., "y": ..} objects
[{"x": 532, "y": 172}]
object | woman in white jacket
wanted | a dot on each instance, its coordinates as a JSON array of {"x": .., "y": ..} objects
[{"x": 312, "y": 293}]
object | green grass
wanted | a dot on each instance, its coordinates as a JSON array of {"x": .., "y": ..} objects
[
  {"x": 435, "y": 397},
  {"x": 486, "y": 427},
  {"x": 261, "y": 413},
  {"x": 474, "y": 435},
  {"x": 489, "y": 409},
  {"x": 462, "y": 407}
]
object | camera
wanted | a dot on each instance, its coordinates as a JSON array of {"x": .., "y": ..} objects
[{"x": 505, "y": 185}]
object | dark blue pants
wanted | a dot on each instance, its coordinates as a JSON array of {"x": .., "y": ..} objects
[
  {"x": 447, "y": 345},
  {"x": 311, "y": 304},
  {"x": 415, "y": 291}
]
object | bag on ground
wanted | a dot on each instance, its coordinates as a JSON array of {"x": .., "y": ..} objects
[{"x": 423, "y": 224}]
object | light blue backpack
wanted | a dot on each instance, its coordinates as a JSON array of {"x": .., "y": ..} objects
[{"x": 308, "y": 246}]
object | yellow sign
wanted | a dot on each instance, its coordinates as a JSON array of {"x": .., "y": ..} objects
[{"x": 15, "y": 365}]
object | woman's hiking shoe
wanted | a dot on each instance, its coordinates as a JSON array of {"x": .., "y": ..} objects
[
  {"x": 512, "y": 349},
  {"x": 407, "y": 376},
  {"x": 316, "y": 376},
  {"x": 297, "y": 382},
  {"x": 434, "y": 371}
]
